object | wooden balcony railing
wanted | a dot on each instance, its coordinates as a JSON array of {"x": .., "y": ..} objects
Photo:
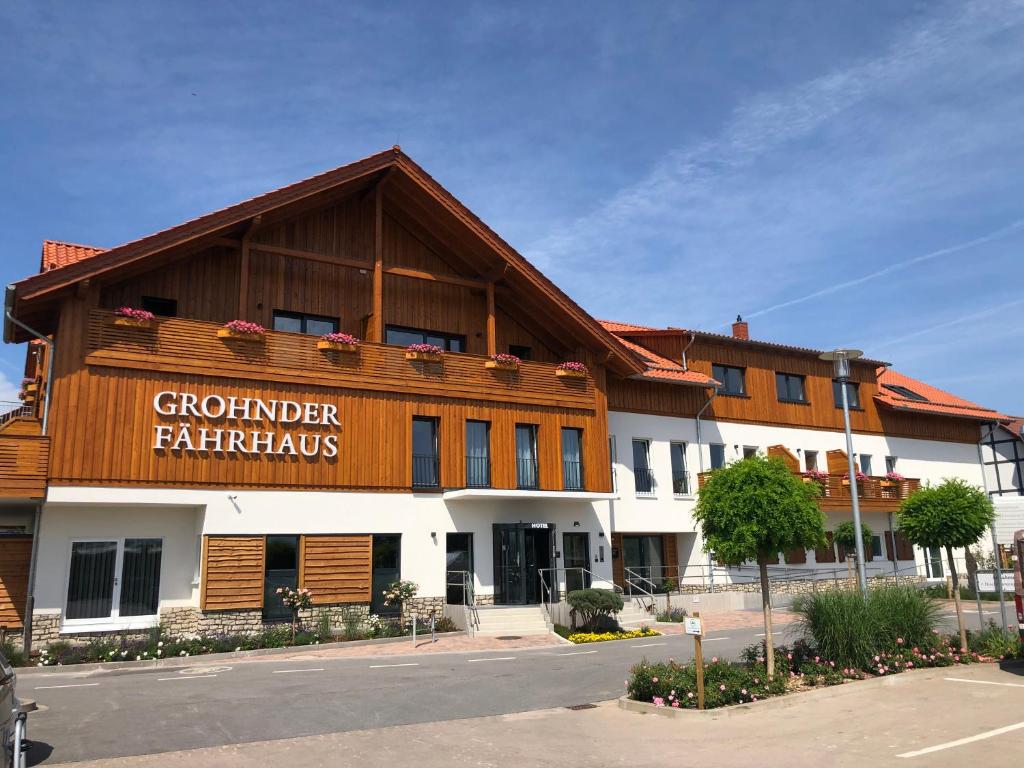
[
  {"x": 175, "y": 345},
  {"x": 874, "y": 493},
  {"x": 24, "y": 461}
]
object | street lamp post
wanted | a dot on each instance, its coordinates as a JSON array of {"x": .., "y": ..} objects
[{"x": 840, "y": 359}]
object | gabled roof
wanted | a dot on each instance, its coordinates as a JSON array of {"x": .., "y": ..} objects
[
  {"x": 75, "y": 263},
  {"x": 659, "y": 368},
  {"x": 936, "y": 401},
  {"x": 57, "y": 254}
]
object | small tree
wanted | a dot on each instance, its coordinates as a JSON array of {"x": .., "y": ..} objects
[
  {"x": 295, "y": 600},
  {"x": 753, "y": 510},
  {"x": 398, "y": 593},
  {"x": 951, "y": 514},
  {"x": 593, "y": 604},
  {"x": 669, "y": 585},
  {"x": 845, "y": 535}
]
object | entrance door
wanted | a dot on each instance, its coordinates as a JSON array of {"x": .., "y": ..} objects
[
  {"x": 643, "y": 558},
  {"x": 282, "y": 570},
  {"x": 387, "y": 569},
  {"x": 576, "y": 559},
  {"x": 521, "y": 550},
  {"x": 459, "y": 564}
]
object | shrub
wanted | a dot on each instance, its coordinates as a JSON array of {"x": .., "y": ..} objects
[
  {"x": 669, "y": 684},
  {"x": 594, "y": 604},
  {"x": 851, "y": 629},
  {"x": 995, "y": 642},
  {"x": 845, "y": 535},
  {"x": 12, "y": 654},
  {"x": 445, "y": 624},
  {"x": 673, "y": 614}
]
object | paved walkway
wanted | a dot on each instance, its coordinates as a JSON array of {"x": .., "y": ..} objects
[{"x": 936, "y": 718}]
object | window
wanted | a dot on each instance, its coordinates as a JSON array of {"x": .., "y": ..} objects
[
  {"x": 890, "y": 464},
  {"x": 717, "y": 455},
  {"x": 387, "y": 569},
  {"x": 876, "y": 547},
  {"x": 810, "y": 460},
  {"x": 732, "y": 379},
  {"x": 904, "y": 392},
  {"x": 478, "y": 454},
  {"x": 526, "y": 456},
  {"x": 403, "y": 337},
  {"x": 852, "y": 394},
  {"x": 865, "y": 463},
  {"x": 281, "y": 570},
  {"x": 94, "y": 592},
  {"x": 790, "y": 388},
  {"x": 425, "y": 470},
  {"x": 160, "y": 307},
  {"x": 572, "y": 459},
  {"x": 613, "y": 457},
  {"x": 297, "y": 322},
  {"x": 520, "y": 351},
  {"x": 749, "y": 451},
  {"x": 680, "y": 480},
  {"x": 643, "y": 477}
]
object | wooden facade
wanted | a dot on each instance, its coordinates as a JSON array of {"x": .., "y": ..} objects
[{"x": 15, "y": 556}]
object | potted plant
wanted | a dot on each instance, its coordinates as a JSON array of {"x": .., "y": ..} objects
[
  {"x": 503, "y": 362},
  {"x": 891, "y": 483},
  {"x": 571, "y": 369},
  {"x": 339, "y": 342},
  {"x": 295, "y": 600},
  {"x": 135, "y": 318},
  {"x": 818, "y": 476},
  {"x": 242, "y": 330},
  {"x": 424, "y": 353}
]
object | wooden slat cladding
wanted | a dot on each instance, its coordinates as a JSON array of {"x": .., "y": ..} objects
[
  {"x": 762, "y": 406},
  {"x": 24, "y": 465},
  {"x": 15, "y": 559},
  {"x": 337, "y": 569},
  {"x": 233, "y": 572},
  {"x": 782, "y": 452}
]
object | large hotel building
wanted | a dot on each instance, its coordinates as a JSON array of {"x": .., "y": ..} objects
[{"x": 174, "y": 471}]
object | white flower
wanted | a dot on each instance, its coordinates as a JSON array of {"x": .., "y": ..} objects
[
  {"x": 160, "y": 644},
  {"x": 238, "y": 649},
  {"x": 159, "y": 652},
  {"x": 138, "y": 658},
  {"x": 182, "y": 653},
  {"x": 124, "y": 653}
]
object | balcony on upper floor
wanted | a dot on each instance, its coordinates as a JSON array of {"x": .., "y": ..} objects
[{"x": 24, "y": 452}]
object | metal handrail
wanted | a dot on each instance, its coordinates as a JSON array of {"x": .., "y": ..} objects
[
  {"x": 469, "y": 608},
  {"x": 630, "y": 577}
]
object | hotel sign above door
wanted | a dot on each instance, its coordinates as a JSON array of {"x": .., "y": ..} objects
[{"x": 245, "y": 421}]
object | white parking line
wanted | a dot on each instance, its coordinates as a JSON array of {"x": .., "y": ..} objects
[
  {"x": 712, "y": 639},
  {"x": 69, "y": 685},
  {"x": 189, "y": 677},
  {"x": 647, "y": 645},
  {"x": 982, "y": 682},
  {"x": 383, "y": 666},
  {"x": 495, "y": 658},
  {"x": 575, "y": 653},
  {"x": 961, "y": 742},
  {"x": 290, "y": 671},
  {"x": 761, "y": 634}
]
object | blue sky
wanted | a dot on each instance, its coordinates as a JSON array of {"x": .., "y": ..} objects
[{"x": 840, "y": 173}]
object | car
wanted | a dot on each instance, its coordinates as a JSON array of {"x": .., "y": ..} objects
[{"x": 13, "y": 719}]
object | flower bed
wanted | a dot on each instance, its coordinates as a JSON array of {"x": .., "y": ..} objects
[{"x": 601, "y": 637}]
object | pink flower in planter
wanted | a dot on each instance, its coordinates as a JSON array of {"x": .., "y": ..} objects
[
  {"x": 506, "y": 359},
  {"x": 430, "y": 349},
  {"x": 339, "y": 338},
  {"x": 895, "y": 476},
  {"x": 658, "y": 701},
  {"x": 572, "y": 365},
  {"x": 245, "y": 327},
  {"x": 134, "y": 314}
]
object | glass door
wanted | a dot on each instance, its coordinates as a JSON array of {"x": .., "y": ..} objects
[
  {"x": 509, "y": 556},
  {"x": 643, "y": 559},
  {"x": 282, "y": 570},
  {"x": 459, "y": 559},
  {"x": 576, "y": 560},
  {"x": 387, "y": 562}
]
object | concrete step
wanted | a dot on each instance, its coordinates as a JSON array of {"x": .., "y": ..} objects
[{"x": 512, "y": 620}]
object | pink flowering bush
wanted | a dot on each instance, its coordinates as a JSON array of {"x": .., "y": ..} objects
[
  {"x": 429, "y": 349},
  {"x": 572, "y": 365},
  {"x": 339, "y": 338},
  {"x": 860, "y": 476},
  {"x": 141, "y": 315},
  {"x": 505, "y": 359},
  {"x": 245, "y": 327},
  {"x": 295, "y": 600},
  {"x": 669, "y": 684},
  {"x": 895, "y": 476}
]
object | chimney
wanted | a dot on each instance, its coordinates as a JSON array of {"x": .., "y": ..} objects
[{"x": 740, "y": 329}]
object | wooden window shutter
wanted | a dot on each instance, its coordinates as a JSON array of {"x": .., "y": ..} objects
[
  {"x": 826, "y": 554},
  {"x": 233, "y": 572},
  {"x": 904, "y": 549},
  {"x": 796, "y": 556},
  {"x": 337, "y": 569},
  {"x": 890, "y": 547}
]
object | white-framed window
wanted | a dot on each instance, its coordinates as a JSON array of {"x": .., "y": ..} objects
[
  {"x": 717, "y": 451},
  {"x": 680, "y": 477},
  {"x": 865, "y": 463},
  {"x": 643, "y": 475},
  {"x": 749, "y": 451},
  {"x": 810, "y": 460},
  {"x": 890, "y": 464},
  {"x": 113, "y": 583}
]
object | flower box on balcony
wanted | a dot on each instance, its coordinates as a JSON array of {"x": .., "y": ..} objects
[
  {"x": 503, "y": 363},
  {"x": 131, "y": 322},
  {"x": 132, "y": 318},
  {"x": 241, "y": 330},
  {"x": 338, "y": 342},
  {"x": 571, "y": 370},
  {"x": 424, "y": 353}
]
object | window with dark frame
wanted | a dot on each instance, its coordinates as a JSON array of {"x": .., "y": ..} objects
[
  {"x": 717, "y": 451},
  {"x": 680, "y": 479},
  {"x": 904, "y": 392},
  {"x": 789, "y": 387},
  {"x": 299, "y": 322},
  {"x": 733, "y": 379},
  {"x": 425, "y": 469},
  {"x": 521, "y": 351},
  {"x": 403, "y": 337},
  {"x": 478, "y": 454},
  {"x": 852, "y": 394},
  {"x": 160, "y": 306},
  {"x": 527, "y": 475},
  {"x": 810, "y": 460},
  {"x": 890, "y": 464},
  {"x": 643, "y": 476},
  {"x": 572, "y": 458},
  {"x": 864, "y": 459}
]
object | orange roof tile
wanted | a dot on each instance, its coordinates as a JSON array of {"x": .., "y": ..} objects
[
  {"x": 57, "y": 254},
  {"x": 937, "y": 401},
  {"x": 660, "y": 368},
  {"x": 614, "y": 327}
]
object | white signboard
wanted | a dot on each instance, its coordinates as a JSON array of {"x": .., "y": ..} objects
[
  {"x": 987, "y": 581},
  {"x": 693, "y": 626}
]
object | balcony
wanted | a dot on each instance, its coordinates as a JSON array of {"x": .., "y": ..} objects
[
  {"x": 876, "y": 494},
  {"x": 24, "y": 454},
  {"x": 193, "y": 347}
]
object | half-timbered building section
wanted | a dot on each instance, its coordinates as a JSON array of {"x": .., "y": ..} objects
[
  {"x": 343, "y": 382},
  {"x": 709, "y": 399}
]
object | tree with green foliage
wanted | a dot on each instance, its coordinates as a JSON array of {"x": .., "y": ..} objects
[
  {"x": 845, "y": 535},
  {"x": 594, "y": 604},
  {"x": 754, "y": 509},
  {"x": 953, "y": 514}
]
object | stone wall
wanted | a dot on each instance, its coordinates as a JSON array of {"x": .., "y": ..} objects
[{"x": 801, "y": 586}]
